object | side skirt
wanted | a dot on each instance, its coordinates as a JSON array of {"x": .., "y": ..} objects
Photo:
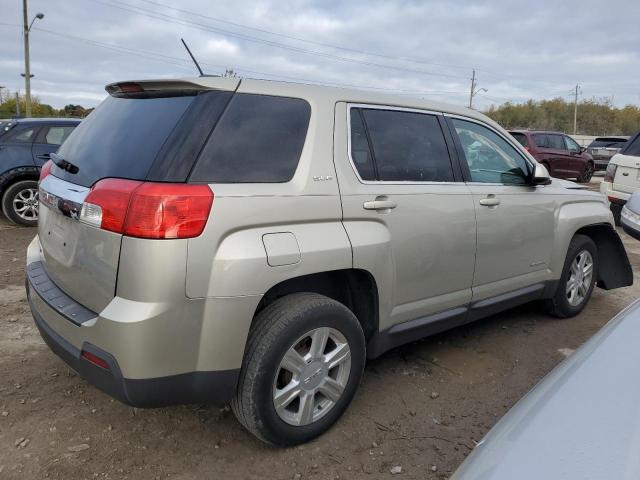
[{"x": 422, "y": 327}]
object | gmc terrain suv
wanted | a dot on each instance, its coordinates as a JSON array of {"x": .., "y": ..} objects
[
  {"x": 253, "y": 242},
  {"x": 25, "y": 145},
  {"x": 559, "y": 153}
]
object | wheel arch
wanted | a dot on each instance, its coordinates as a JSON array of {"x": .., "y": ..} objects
[
  {"x": 355, "y": 288},
  {"x": 614, "y": 268},
  {"x": 9, "y": 177}
]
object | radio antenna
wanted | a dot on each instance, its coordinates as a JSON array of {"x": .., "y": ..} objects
[{"x": 192, "y": 57}]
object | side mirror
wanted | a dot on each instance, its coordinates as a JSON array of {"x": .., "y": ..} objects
[
  {"x": 583, "y": 149},
  {"x": 540, "y": 175}
]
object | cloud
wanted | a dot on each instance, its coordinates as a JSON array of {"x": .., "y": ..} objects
[{"x": 426, "y": 48}]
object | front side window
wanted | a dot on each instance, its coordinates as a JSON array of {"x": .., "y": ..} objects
[
  {"x": 491, "y": 159},
  {"x": 572, "y": 145},
  {"x": 57, "y": 135},
  {"x": 406, "y": 146}
]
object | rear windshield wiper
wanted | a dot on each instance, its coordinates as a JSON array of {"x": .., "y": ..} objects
[{"x": 63, "y": 164}]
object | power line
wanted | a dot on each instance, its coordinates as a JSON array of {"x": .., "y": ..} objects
[
  {"x": 299, "y": 39},
  {"x": 201, "y": 26},
  {"x": 180, "y": 62}
]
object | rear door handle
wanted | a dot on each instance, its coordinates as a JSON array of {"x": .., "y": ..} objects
[
  {"x": 380, "y": 204},
  {"x": 490, "y": 201},
  {"x": 44, "y": 156}
]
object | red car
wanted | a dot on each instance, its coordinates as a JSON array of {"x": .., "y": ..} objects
[{"x": 559, "y": 153}]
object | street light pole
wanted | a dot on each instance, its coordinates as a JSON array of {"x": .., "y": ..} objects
[{"x": 27, "y": 67}]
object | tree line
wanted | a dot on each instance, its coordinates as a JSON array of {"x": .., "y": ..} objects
[
  {"x": 8, "y": 108},
  {"x": 595, "y": 117}
]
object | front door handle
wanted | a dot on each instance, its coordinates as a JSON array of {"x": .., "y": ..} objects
[
  {"x": 380, "y": 203},
  {"x": 44, "y": 156},
  {"x": 490, "y": 201}
]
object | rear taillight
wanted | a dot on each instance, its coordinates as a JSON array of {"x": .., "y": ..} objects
[
  {"x": 610, "y": 172},
  {"x": 148, "y": 210},
  {"x": 45, "y": 170}
]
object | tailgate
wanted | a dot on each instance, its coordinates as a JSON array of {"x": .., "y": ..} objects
[
  {"x": 80, "y": 259},
  {"x": 627, "y": 177}
]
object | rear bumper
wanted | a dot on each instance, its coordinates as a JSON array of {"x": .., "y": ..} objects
[{"x": 215, "y": 387}]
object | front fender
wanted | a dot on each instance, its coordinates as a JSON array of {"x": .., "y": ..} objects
[{"x": 593, "y": 219}]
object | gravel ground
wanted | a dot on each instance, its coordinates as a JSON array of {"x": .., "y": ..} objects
[{"x": 418, "y": 413}]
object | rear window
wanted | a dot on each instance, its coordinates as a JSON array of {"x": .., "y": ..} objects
[
  {"x": 521, "y": 138},
  {"x": 608, "y": 143},
  {"x": 633, "y": 148},
  {"x": 541, "y": 140},
  {"x": 121, "y": 138},
  {"x": 258, "y": 139}
]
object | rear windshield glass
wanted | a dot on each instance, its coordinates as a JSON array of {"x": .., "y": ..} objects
[
  {"x": 607, "y": 143},
  {"x": 121, "y": 138},
  {"x": 633, "y": 148},
  {"x": 521, "y": 138},
  {"x": 259, "y": 139}
]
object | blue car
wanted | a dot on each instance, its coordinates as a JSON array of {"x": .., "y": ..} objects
[{"x": 25, "y": 145}]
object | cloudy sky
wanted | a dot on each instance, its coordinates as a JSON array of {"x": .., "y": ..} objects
[{"x": 520, "y": 50}]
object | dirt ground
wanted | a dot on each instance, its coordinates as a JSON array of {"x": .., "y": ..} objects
[{"x": 421, "y": 407}]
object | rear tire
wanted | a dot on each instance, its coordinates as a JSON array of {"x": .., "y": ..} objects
[
  {"x": 20, "y": 203},
  {"x": 578, "y": 279},
  {"x": 280, "y": 337},
  {"x": 587, "y": 175}
]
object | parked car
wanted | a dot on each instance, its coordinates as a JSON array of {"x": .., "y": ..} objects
[
  {"x": 578, "y": 423},
  {"x": 603, "y": 148},
  {"x": 247, "y": 241},
  {"x": 559, "y": 153},
  {"x": 622, "y": 176},
  {"x": 25, "y": 144},
  {"x": 630, "y": 216}
]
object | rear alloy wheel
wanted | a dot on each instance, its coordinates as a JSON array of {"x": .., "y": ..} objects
[
  {"x": 578, "y": 278},
  {"x": 20, "y": 203},
  {"x": 588, "y": 173},
  {"x": 302, "y": 366}
]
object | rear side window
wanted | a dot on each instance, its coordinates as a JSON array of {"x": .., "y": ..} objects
[
  {"x": 360, "y": 152},
  {"x": 521, "y": 138},
  {"x": 57, "y": 135},
  {"x": 259, "y": 139},
  {"x": 541, "y": 140},
  {"x": 121, "y": 138},
  {"x": 20, "y": 135},
  {"x": 556, "y": 142},
  {"x": 407, "y": 146}
]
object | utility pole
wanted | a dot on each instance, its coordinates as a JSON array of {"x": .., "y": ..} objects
[
  {"x": 17, "y": 104},
  {"x": 473, "y": 87},
  {"x": 1, "y": 88},
  {"x": 27, "y": 67},
  {"x": 575, "y": 111},
  {"x": 473, "y": 92}
]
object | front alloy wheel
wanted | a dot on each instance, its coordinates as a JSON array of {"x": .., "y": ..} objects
[
  {"x": 579, "y": 276},
  {"x": 580, "y": 279}
]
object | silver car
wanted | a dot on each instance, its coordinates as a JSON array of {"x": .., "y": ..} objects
[
  {"x": 253, "y": 242},
  {"x": 580, "y": 422}
]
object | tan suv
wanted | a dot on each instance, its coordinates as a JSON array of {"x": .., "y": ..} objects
[{"x": 252, "y": 242}]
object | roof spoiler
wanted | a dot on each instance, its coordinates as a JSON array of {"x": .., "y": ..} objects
[{"x": 154, "y": 89}]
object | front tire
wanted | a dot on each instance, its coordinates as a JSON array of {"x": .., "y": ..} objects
[
  {"x": 578, "y": 279},
  {"x": 20, "y": 203},
  {"x": 303, "y": 364}
]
